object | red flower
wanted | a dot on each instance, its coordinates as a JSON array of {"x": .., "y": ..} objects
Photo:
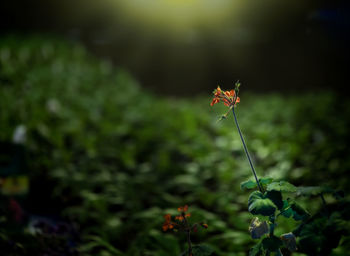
[
  {"x": 183, "y": 208},
  {"x": 228, "y": 97},
  {"x": 167, "y": 224},
  {"x": 183, "y": 211},
  {"x": 214, "y": 101},
  {"x": 217, "y": 92},
  {"x": 230, "y": 93},
  {"x": 182, "y": 217}
]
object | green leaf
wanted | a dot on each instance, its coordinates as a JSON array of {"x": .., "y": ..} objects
[
  {"x": 282, "y": 186},
  {"x": 312, "y": 236},
  {"x": 265, "y": 181},
  {"x": 313, "y": 191},
  {"x": 278, "y": 253},
  {"x": 321, "y": 234},
  {"x": 96, "y": 241},
  {"x": 271, "y": 243},
  {"x": 260, "y": 204},
  {"x": 286, "y": 210},
  {"x": 249, "y": 184},
  {"x": 257, "y": 250},
  {"x": 308, "y": 191},
  {"x": 299, "y": 213},
  {"x": 287, "y": 213},
  {"x": 276, "y": 198},
  {"x": 199, "y": 250}
]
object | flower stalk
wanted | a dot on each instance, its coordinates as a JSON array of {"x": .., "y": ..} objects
[
  {"x": 188, "y": 231},
  {"x": 247, "y": 152},
  {"x": 230, "y": 99},
  {"x": 183, "y": 224}
]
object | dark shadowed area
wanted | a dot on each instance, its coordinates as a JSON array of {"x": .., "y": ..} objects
[{"x": 182, "y": 47}]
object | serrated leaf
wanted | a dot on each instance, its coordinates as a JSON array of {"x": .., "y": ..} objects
[
  {"x": 249, "y": 184},
  {"x": 282, "y": 186},
  {"x": 265, "y": 181},
  {"x": 257, "y": 250},
  {"x": 199, "y": 250},
  {"x": 260, "y": 204},
  {"x": 276, "y": 198},
  {"x": 272, "y": 243},
  {"x": 257, "y": 228}
]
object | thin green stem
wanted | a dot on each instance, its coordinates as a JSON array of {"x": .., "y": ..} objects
[
  {"x": 284, "y": 210},
  {"x": 271, "y": 234},
  {"x": 323, "y": 200},
  {"x": 272, "y": 225},
  {"x": 188, "y": 231},
  {"x": 246, "y": 151},
  {"x": 324, "y": 204}
]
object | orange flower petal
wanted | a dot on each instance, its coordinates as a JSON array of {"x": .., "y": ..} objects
[
  {"x": 227, "y": 97},
  {"x": 228, "y": 94},
  {"x": 214, "y": 101},
  {"x": 186, "y": 208},
  {"x": 217, "y": 92},
  {"x": 227, "y": 102},
  {"x": 165, "y": 227},
  {"x": 167, "y": 217},
  {"x": 180, "y": 218}
]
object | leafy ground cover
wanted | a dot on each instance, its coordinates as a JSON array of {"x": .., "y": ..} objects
[{"x": 109, "y": 159}]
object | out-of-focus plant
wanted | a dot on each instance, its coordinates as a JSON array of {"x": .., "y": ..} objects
[
  {"x": 182, "y": 224},
  {"x": 97, "y": 160},
  {"x": 318, "y": 234}
]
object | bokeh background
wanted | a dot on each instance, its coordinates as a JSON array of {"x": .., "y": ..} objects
[{"x": 105, "y": 122}]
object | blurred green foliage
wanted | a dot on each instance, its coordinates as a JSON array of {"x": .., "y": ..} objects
[{"x": 113, "y": 159}]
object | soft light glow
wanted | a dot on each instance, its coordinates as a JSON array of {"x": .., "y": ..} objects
[{"x": 177, "y": 15}]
